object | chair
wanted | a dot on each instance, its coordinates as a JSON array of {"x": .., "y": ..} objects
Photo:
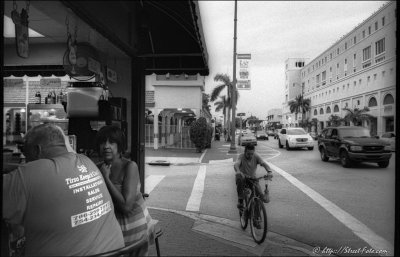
[{"x": 158, "y": 230}]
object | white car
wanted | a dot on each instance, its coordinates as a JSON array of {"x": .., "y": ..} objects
[
  {"x": 295, "y": 138},
  {"x": 389, "y": 137}
]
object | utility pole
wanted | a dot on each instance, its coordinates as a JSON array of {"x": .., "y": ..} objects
[{"x": 233, "y": 124}]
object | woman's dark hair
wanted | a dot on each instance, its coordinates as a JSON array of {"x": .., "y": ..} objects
[{"x": 113, "y": 134}]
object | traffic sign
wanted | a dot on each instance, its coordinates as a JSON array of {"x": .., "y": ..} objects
[{"x": 241, "y": 114}]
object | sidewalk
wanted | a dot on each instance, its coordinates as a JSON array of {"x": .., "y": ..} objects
[
  {"x": 191, "y": 234},
  {"x": 195, "y": 234}
]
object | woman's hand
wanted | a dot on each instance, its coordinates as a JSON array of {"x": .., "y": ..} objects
[{"x": 105, "y": 170}]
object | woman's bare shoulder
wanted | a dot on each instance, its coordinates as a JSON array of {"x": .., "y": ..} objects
[{"x": 129, "y": 164}]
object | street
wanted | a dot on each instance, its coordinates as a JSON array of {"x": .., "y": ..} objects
[{"x": 344, "y": 210}]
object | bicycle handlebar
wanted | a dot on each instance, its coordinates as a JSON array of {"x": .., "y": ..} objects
[{"x": 265, "y": 177}]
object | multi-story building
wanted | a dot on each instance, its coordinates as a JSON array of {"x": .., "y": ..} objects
[
  {"x": 358, "y": 70},
  {"x": 293, "y": 88},
  {"x": 274, "y": 118}
]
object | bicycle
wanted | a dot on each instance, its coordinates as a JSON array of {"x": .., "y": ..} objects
[{"x": 254, "y": 210}]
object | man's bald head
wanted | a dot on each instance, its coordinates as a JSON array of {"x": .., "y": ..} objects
[{"x": 41, "y": 140}]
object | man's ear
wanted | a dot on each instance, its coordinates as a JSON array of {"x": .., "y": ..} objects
[{"x": 38, "y": 150}]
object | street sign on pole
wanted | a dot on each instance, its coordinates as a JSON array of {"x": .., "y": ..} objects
[
  {"x": 243, "y": 73},
  {"x": 241, "y": 114}
]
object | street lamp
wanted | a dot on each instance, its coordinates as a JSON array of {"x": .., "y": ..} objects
[{"x": 233, "y": 124}]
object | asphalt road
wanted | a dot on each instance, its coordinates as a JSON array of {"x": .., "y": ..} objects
[{"x": 317, "y": 203}]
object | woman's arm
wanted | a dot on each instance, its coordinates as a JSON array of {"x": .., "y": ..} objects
[{"x": 124, "y": 200}]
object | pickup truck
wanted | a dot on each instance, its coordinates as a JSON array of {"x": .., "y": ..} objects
[{"x": 353, "y": 144}]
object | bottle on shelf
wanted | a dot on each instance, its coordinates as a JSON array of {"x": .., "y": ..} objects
[
  {"x": 54, "y": 97},
  {"x": 48, "y": 98},
  {"x": 60, "y": 97},
  {"x": 38, "y": 98}
]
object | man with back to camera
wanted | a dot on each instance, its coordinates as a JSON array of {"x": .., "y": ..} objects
[
  {"x": 60, "y": 199},
  {"x": 246, "y": 166}
]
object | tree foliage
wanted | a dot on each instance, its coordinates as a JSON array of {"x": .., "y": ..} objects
[
  {"x": 335, "y": 120},
  {"x": 300, "y": 105},
  {"x": 200, "y": 133},
  {"x": 357, "y": 115}
]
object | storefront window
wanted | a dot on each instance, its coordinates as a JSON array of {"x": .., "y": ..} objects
[{"x": 389, "y": 124}]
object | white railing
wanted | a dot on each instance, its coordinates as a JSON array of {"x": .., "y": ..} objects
[{"x": 172, "y": 137}]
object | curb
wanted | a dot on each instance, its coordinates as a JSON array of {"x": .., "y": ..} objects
[{"x": 275, "y": 239}]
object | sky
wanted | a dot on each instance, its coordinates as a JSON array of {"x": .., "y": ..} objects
[{"x": 272, "y": 32}]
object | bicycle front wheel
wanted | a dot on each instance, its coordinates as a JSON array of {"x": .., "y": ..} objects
[
  {"x": 244, "y": 214},
  {"x": 258, "y": 221}
]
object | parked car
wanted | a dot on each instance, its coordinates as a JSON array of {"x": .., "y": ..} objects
[
  {"x": 246, "y": 139},
  {"x": 390, "y": 138},
  {"x": 295, "y": 138},
  {"x": 353, "y": 144},
  {"x": 261, "y": 135},
  {"x": 270, "y": 133}
]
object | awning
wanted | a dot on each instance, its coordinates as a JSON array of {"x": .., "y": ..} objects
[
  {"x": 170, "y": 34},
  {"x": 34, "y": 70},
  {"x": 172, "y": 38}
]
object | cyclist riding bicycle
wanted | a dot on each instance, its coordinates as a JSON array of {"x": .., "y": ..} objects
[{"x": 246, "y": 166}]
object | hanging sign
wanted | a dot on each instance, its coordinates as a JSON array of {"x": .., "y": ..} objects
[
  {"x": 50, "y": 82},
  {"x": 94, "y": 65},
  {"x": 82, "y": 61},
  {"x": 21, "y": 32},
  {"x": 111, "y": 75},
  {"x": 243, "y": 71}
]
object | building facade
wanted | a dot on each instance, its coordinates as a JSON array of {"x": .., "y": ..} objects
[
  {"x": 293, "y": 88},
  {"x": 358, "y": 70},
  {"x": 274, "y": 118},
  {"x": 173, "y": 100}
]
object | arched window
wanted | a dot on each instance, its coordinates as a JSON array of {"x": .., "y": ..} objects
[
  {"x": 336, "y": 108},
  {"x": 328, "y": 109},
  {"x": 372, "y": 102},
  {"x": 321, "y": 111},
  {"x": 315, "y": 112},
  {"x": 388, "y": 99}
]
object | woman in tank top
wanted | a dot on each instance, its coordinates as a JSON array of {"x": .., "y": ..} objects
[{"x": 122, "y": 179}]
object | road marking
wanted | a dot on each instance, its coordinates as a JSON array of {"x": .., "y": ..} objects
[
  {"x": 151, "y": 182},
  {"x": 221, "y": 161},
  {"x": 362, "y": 231},
  {"x": 202, "y": 156},
  {"x": 197, "y": 191}
]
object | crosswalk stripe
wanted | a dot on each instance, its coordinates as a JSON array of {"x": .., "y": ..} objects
[
  {"x": 358, "y": 228},
  {"x": 197, "y": 190},
  {"x": 151, "y": 182}
]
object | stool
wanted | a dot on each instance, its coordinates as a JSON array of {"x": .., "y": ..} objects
[{"x": 158, "y": 232}]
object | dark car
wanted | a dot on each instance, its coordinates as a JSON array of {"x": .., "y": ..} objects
[
  {"x": 353, "y": 144},
  {"x": 261, "y": 135}
]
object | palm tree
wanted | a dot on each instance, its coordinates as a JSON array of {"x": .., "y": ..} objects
[
  {"x": 357, "y": 115},
  {"x": 335, "y": 120},
  {"x": 222, "y": 105},
  {"x": 300, "y": 105},
  {"x": 228, "y": 84}
]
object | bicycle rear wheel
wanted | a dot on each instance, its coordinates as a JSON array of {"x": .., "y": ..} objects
[
  {"x": 243, "y": 214},
  {"x": 258, "y": 221}
]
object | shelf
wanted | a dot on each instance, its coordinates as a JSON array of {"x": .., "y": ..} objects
[{"x": 45, "y": 106}]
